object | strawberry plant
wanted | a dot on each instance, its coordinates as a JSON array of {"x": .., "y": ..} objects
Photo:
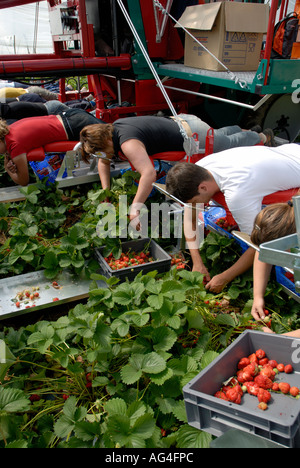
[
  {"x": 51, "y": 231},
  {"x": 111, "y": 372}
]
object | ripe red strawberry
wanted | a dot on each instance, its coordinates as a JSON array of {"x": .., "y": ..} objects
[
  {"x": 280, "y": 367},
  {"x": 253, "y": 358},
  {"x": 233, "y": 395},
  {"x": 239, "y": 390},
  {"x": 275, "y": 387},
  {"x": 34, "y": 397},
  {"x": 221, "y": 395},
  {"x": 243, "y": 363},
  {"x": 289, "y": 276},
  {"x": 252, "y": 388},
  {"x": 226, "y": 388},
  {"x": 18, "y": 304},
  {"x": 263, "y": 361},
  {"x": 273, "y": 363},
  {"x": 294, "y": 391},
  {"x": 260, "y": 354},
  {"x": 268, "y": 371},
  {"x": 263, "y": 381},
  {"x": 263, "y": 396},
  {"x": 284, "y": 387},
  {"x": 288, "y": 369},
  {"x": 252, "y": 368},
  {"x": 244, "y": 376}
]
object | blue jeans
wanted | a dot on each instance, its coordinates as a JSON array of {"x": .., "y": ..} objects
[
  {"x": 224, "y": 138},
  {"x": 55, "y": 107}
]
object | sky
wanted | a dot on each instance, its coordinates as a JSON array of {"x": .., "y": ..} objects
[{"x": 17, "y": 26}]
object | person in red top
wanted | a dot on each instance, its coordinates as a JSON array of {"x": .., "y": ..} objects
[{"x": 17, "y": 139}]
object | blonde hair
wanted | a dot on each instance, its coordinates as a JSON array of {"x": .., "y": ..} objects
[
  {"x": 273, "y": 222},
  {"x": 4, "y": 129},
  {"x": 95, "y": 138}
]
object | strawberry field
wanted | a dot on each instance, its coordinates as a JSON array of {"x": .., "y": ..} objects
[{"x": 108, "y": 371}]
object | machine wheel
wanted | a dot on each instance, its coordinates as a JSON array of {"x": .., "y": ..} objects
[{"x": 280, "y": 114}]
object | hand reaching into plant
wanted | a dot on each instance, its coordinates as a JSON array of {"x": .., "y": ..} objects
[
  {"x": 203, "y": 270},
  {"x": 135, "y": 220},
  {"x": 258, "y": 308},
  {"x": 216, "y": 284}
]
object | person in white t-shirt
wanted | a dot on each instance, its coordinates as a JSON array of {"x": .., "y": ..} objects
[{"x": 244, "y": 176}]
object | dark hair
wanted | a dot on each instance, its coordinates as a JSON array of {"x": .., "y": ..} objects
[{"x": 184, "y": 178}]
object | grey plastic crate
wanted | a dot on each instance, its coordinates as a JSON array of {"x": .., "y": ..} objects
[
  {"x": 161, "y": 264},
  {"x": 279, "y": 423}
]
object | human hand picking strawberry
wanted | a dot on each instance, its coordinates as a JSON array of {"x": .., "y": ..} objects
[
  {"x": 258, "y": 311},
  {"x": 216, "y": 284}
]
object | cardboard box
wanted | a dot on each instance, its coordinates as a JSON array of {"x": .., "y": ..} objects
[{"x": 231, "y": 31}]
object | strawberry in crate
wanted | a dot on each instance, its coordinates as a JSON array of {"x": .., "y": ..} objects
[
  {"x": 256, "y": 376},
  {"x": 179, "y": 261},
  {"x": 289, "y": 276},
  {"x": 224, "y": 224},
  {"x": 55, "y": 162}
]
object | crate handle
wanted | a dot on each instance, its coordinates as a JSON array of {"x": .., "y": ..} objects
[{"x": 233, "y": 423}]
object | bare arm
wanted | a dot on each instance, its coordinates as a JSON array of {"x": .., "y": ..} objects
[
  {"x": 104, "y": 173},
  {"x": 17, "y": 169},
  {"x": 243, "y": 264},
  {"x": 261, "y": 274},
  {"x": 218, "y": 282},
  {"x": 193, "y": 238},
  {"x": 137, "y": 155}
]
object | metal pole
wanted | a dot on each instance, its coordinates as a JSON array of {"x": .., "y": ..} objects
[{"x": 296, "y": 203}]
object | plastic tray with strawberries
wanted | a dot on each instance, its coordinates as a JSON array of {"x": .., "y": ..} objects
[{"x": 256, "y": 375}]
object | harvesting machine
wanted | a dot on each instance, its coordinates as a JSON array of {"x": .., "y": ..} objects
[{"x": 132, "y": 53}]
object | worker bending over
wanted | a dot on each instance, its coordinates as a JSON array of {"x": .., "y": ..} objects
[{"x": 244, "y": 176}]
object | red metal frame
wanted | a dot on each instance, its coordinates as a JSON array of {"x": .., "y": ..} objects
[
  {"x": 13, "y": 3},
  {"x": 170, "y": 44},
  {"x": 142, "y": 94},
  {"x": 75, "y": 65},
  {"x": 270, "y": 34}
]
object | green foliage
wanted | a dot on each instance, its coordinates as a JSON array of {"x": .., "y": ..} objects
[
  {"x": 40, "y": 233},
  {"x": 111, "y": 372}
]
